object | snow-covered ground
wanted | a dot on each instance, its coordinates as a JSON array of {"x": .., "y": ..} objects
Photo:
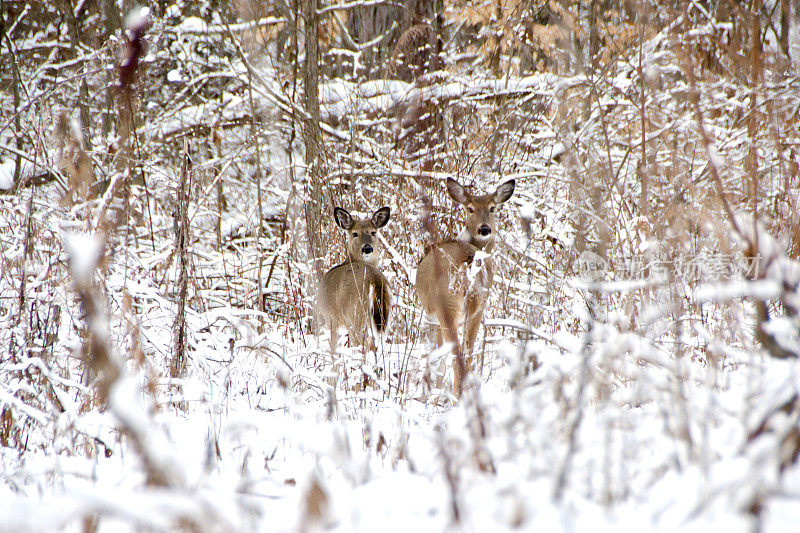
[
  {"x": 638, "y": 365},
  {"x": 568, "y": 430}
]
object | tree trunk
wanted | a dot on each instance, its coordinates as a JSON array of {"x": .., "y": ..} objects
[
  {"x": 494, "y": 61},
  {"x": 785, "y": 22},
  {"x": 594, "y": 38},
  {"x": 368, "y": 23},
  {"x": 15, "y": 83},
  {"x": 751, "y": 162},
  {"x": 312, "y": 133}
]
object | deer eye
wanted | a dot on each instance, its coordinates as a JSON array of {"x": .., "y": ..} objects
[
  {"x": 470, "y": 209},
  {"x": 491, "y": 209},
  {"x": 373, "y": 233},
  {"x": 355, "y": 234}
]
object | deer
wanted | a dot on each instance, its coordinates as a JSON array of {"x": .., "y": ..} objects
[
  {"x": 355, "y": 294},
  {"x": 455, "y": 275}
]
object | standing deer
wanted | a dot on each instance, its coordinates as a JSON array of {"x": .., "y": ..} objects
[
  {"x": 355, "y": 294},
  {"x": 453, "y": 278}
]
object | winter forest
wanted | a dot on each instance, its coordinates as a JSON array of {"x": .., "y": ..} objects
[{"x": 561, "y": 290}]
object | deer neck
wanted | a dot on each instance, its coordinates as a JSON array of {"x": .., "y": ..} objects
[{"x": 373, "y": 261}]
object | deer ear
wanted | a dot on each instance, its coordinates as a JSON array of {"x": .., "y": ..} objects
[
  {"x": 456, "y": 191},
  {"x": 381, "y": 217},
  {"x": 343, "y": 219},
  {"x": 504, "y": 191}
]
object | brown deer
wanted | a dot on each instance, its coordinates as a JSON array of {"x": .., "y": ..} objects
[
  {"x": 355, "y": 294},
  {"x": 454, "y": 276}
]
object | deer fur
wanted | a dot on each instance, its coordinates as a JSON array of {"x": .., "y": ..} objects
[
  {"x": 355, "y": 294},
  {"x": 454, "y": 276}
]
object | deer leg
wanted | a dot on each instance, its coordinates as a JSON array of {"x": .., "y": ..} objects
[
  {"x": 334, "y": 327},
  {"x": 448, "y": 321},
  {"x": 475, "y": 305},
  {"x": 369, "y": 342},
  {"x": 362, "y": 337},
  {"x": 459, "y": 371},
  {"x": 356, "y": 337}
]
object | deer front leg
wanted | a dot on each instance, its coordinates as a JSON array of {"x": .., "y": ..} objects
[
  {"x": 475, "y": 306},
  {"x": 333, "y": 379},
  {"x": 369, "y": 342},
  {"x": 448, "y": 327},
  {"x": 334, "y": 327}
]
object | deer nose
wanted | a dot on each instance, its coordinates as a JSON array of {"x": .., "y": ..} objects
[
  {"x": 484, "y": 230},
  {"x": 366, "y": 249}
]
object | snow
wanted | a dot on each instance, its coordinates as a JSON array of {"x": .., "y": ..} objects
[
  {"x": 715, "y": 158},
  {"x": 172, "y": 11},
  {"x": 759, "y": 290},
  {"x": 192, "y": 24},
  {"x": 6, "y": 174},
  {"x": 85, "y": 251},
  {"x": 137, "y": 17},
  {"x": 653, "y": 394},
  {"x": 7, "y": 167},
  {"x": 174, "y": 76}
]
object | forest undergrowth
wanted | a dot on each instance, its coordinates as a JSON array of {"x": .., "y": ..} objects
[{"x": 166, "y": 197}]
